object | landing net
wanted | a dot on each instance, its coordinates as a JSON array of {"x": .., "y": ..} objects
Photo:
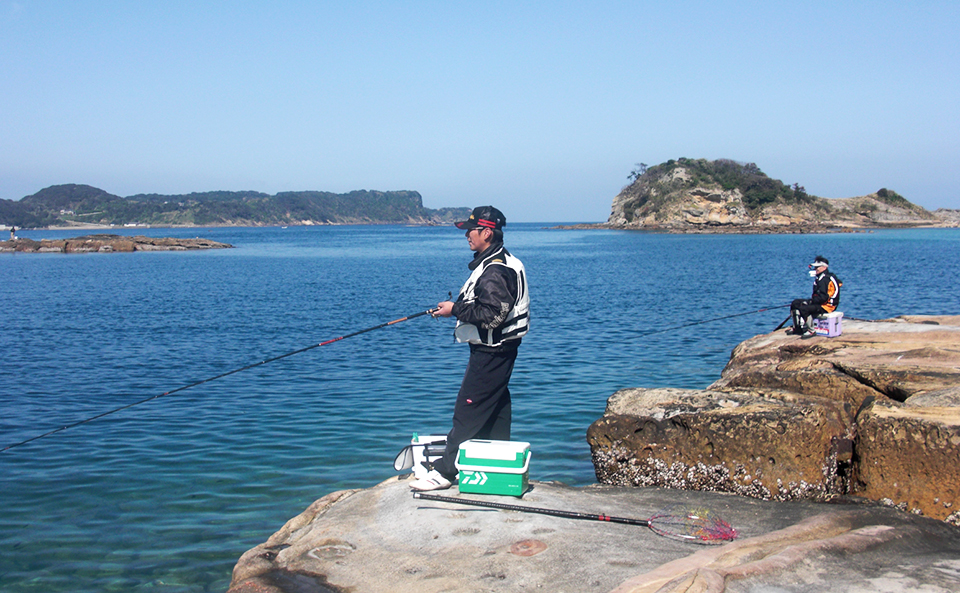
[{"x": 695, "y": 524}]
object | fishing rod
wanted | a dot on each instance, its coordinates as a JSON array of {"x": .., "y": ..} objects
[
  {"x": 784, "y": 322},
  {"x": 220, "y": 376},
  {"x": 715, "y": 319},
  {"x": 697, "y": 525}
]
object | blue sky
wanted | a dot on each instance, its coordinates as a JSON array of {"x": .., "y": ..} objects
[{"x": 541, "y": 108}]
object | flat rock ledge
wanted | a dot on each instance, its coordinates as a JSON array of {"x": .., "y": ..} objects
[
  {"x": 812, "y": 449},
  {"x": 380, "y": 539},
  {"x": 873, "y": 413},
  {"x": 102, "y": 243}
]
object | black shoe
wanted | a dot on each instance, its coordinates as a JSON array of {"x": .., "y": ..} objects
[{"x": 793, "y": 331}]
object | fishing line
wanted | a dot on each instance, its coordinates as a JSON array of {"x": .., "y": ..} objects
[
  {"x": 220, "y": 376},
  {"x": 646, "y": 333},
  {"x": 356, "y": 333}
]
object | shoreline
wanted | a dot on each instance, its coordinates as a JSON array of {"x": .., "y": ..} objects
[
  {"x": 754, "y": 229},
  {"x": 706, "y": 229},
  {"x": 101, "y": 227}
]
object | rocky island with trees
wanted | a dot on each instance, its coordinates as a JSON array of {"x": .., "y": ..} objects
[{"x": 725, "y": 196}]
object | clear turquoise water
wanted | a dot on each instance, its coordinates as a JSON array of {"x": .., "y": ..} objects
[{"x": 167, "y": 495}]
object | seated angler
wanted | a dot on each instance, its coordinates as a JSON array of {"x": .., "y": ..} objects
[{"x": 825, "y": 298}]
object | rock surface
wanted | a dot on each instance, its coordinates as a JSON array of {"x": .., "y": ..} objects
[
  {"x": 382, "y": 540},
  {"x": 874, "y": 412},
  {"x": 102, "y": 243}
]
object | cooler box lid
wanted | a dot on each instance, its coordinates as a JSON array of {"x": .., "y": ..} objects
[{"x": 477, "y": 453}]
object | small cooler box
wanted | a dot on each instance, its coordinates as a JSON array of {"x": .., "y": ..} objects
[
  {"x": 494, "y": 467},
  {"x": 829, "y": 324}
]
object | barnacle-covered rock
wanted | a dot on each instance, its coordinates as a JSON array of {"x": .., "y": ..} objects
[
  {"x": 874, "y": 412},
  {"x": 745, "y": 443}
]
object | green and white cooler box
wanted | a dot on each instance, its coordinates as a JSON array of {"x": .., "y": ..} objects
[{"x": 494, "y": 467}]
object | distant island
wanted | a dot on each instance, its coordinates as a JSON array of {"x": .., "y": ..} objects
[
  {"x": 73, "y": 205},
  {"x": 108, "y": 244},
  {"x": 725, "y": 196}
]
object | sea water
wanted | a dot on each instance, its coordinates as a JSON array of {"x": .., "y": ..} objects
[{"x": 167, "y": 494}]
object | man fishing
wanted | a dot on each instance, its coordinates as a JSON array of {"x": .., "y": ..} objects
[
  {"x": 493, "y": 314},
  {"x": 825, "y": 298}
]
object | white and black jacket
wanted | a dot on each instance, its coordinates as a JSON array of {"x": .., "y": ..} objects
[{"x": 493, "y": 309}]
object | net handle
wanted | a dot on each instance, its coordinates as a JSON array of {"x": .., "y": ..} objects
[{"x": 699, "y": 536}]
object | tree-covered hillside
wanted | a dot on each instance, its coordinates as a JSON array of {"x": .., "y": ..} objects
[
  {"x": 756, "y": 187},
  {"x": 695, "y": 194},
  {"x": 65, "y": 205}
]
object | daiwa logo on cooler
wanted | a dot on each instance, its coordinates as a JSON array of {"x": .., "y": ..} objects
[{"x": 473, "y": 478}]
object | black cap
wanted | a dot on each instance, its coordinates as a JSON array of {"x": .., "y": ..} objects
[{"x": 486, "y": 217}]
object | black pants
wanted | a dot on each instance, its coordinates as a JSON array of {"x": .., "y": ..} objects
[
  {"x": 800, "y": 310},
  {"x": 483, "y": 408}
]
